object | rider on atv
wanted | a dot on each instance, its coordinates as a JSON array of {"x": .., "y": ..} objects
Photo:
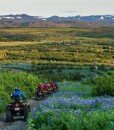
[
  {"x": 18, "y": 107},
  {"x": 18, "y": 95}
]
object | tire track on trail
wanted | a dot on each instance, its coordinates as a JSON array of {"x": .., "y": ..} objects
[{"x": 17, "y": 124}]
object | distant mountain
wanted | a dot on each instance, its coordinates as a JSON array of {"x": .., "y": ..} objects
[
  {"x": 93, "y": 18},
  {"x": 24, "y": 20}
]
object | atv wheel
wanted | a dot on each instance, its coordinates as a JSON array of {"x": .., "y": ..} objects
[
  {"x": 44, "y": 96},
  {"x": 26, "y": 112},
  {"x": 9, "y": 116},
  {"x": 36, "y": 97},
  {"x": 54, "y": 90}
]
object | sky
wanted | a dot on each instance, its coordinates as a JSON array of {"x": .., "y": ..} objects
[{"x": 48, "y": 8}]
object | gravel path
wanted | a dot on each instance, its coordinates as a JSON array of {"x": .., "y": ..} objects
[{"x": 17, "y": 124}]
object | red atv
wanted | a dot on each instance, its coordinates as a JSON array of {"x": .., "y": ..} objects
[
  {"x": 41, "y": 92},
  {"x": 17, "y": 109},
  {"x": 54, "y": 86},
  {"x": 45, "y": 89},
  {"x": 49, "y": 88}
]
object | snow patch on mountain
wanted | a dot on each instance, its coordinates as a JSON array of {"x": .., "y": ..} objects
[
  {"x": 19, "y": 17},
  {"x": 8, "y": 17},
  {"x": 102, "y": 18},
  {"x": 44, "y": 19}
]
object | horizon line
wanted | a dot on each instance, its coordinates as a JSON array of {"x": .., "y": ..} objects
[{"x": 59, "y": 15}]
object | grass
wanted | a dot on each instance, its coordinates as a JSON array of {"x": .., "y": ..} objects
[
  {"x": 73, "y": 107},
  {"x": 67, "y": 55},
  {"x": 11, "y": 79},
  {"x": 59, "y": 45}
]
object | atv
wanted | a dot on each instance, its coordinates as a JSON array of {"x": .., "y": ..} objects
[
  {"x": 49, "y": 89},
  {"x": 40, "y": 95},
  {"x": 17, "y": 109},
  {"x": 52, "y": 87},
  {"x": 55, "y": 88}
]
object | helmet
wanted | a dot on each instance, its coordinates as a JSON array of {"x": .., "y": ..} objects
[
  {"x": 55, "y": 82},
  {"x": 17, "y": 89}
]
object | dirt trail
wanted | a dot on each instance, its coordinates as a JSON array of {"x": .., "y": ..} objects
[{"x": 18, "y": 124}]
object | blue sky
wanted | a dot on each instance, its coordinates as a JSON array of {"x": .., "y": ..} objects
[{"x": 57, "y": 7}]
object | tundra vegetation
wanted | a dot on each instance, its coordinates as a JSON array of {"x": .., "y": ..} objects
[
  {"x": 81, "y": 60},
  {"x": 66, "y": 46},
  {"x": 9, "y": 80},
  {"x": 87, "y": 105}
]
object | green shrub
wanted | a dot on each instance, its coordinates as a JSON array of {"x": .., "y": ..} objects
[
  {"x": 104, "y": 86},
  {"x": 102, "y": 67},
  {"x": 77, "y": 76},
  {"x": 95, "y": 120},
  {"x": 9, "y": 80}
]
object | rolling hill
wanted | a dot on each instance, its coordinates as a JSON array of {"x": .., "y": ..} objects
[{"x": 24, "y": 20}]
